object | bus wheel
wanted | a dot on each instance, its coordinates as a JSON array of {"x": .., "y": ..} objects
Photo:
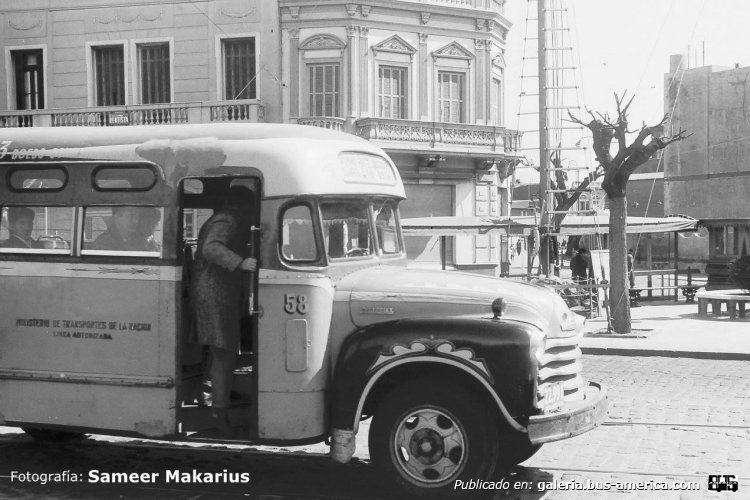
[
  {"x": 426, "y": 435},
  {"x": 49, "y": 435}
]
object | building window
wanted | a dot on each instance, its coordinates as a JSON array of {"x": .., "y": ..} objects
[
  {"x": 451, "y": 96},
  {"x": 155, "y": 78},
  {"x": 726, "y": 240},
  {"x": 392, "y": 87},
  {"x": 29, "y": 70},
  {"x": 496, "y": 99},
  {"x": 109, "y": 75},
  {"x": 239, "y": 68},
  {"x": 324, "y": 89}
]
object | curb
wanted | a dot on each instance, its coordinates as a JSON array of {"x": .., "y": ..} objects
[{"x": 720, "y": 356}]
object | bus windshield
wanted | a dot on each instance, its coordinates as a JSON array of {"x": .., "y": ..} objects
[{"x": 347, "y": 229}]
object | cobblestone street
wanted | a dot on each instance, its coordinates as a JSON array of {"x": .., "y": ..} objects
[{"x": 671, "y": 419}]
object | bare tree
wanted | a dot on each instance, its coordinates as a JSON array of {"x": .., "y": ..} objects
[{"x": 617, "y": 170}]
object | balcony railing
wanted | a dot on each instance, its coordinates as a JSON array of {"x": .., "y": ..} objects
[
  {"x": 329, "y": 122},
  {"x": 436, "y": 134},
  {"x": 493, "y": 5},
  {"x": 248, "y": 110}
]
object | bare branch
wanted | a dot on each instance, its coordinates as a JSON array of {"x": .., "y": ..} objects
[
  {"x": 666, "y": 141},
  {"x": 606, "y": 120},
  {"x": 575, "y": 119},
  {"x": 623, "y": 112}
]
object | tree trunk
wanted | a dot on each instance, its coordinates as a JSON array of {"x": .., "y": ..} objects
[{"x": 619, "y": 296}]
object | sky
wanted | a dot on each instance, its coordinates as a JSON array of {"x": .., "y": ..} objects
[{"x": 625, "y": 45}]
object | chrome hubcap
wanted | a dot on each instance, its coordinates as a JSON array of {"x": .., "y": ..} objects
[{"x": 430, "y": 446}]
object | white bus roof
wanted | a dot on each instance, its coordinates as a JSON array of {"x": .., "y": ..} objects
[{"x": 293, "y": 159}]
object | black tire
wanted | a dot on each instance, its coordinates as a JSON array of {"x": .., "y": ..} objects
[
  {"x": 426, "y": 434},
  {"x": 50, "y": 435},
  {"x": 516, "y": 448}
]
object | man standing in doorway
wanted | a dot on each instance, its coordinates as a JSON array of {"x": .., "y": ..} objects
[{"x": 217, "y": 293}]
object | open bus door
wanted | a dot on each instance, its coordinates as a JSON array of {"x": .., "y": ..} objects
[{"x": 200, "y": 197}]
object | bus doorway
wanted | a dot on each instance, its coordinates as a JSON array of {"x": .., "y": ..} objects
[{"x": 209, "y": 271}]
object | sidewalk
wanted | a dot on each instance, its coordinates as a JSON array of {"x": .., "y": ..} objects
[{"x": 674, "y": 329}]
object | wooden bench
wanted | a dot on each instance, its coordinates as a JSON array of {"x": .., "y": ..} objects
[
  {"x": 688, "y": 291},
  {"x": 735, "y": 300}
]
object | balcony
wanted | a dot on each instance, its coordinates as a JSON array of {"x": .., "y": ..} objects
[
  {"x": 249, "y": 110},
  {"x": 329, "y": 122},
  {"x": 493, "y": 5},
  {"x": 438, "y": 136}
]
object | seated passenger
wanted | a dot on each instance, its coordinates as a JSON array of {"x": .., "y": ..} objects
[
  {"x": 122, "y": 232},
  {"x": 149, "y": 220},
  {"x": 20, "y": 227}
]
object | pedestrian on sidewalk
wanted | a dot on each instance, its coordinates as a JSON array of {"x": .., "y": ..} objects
[
  {"x": 631, "y": 276},
  {"x": 579, "y": 265}
]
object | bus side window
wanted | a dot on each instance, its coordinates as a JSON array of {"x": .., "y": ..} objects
[
  {"x": 123, "y": 229},
  {"x": 297, "y": 235},
  {"x": 36, "y": 228}
]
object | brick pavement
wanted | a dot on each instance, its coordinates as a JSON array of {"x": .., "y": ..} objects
[
  {"x": 651, "y": 450},
  {"x": 669, "y": 418},
  {"x": 674, "y": 390}
]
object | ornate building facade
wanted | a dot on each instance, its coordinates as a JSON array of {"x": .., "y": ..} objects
[{"x": 422, "y": 79}]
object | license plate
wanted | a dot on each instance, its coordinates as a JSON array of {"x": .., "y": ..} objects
[{"x": 553, "y": 394}]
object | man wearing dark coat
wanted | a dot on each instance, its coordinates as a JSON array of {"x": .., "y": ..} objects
[
  {"x": 579, "y": 266},
  {"x": 122, "y": 232},
  {"x": 217, "y": 297},
  {"x": 20, "y": 227}
]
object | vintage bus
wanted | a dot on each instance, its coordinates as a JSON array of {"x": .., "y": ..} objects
[{"x": 461, "y": 373}]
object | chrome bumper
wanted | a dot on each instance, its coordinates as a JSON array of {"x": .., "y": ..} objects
[{"x": 572, "y": 419}]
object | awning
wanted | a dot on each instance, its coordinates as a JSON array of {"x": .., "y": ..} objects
[
  {"x": 453, "y": 226},
  {"x": 599, "y": 223},
  {"x": 523, "y": 225}
]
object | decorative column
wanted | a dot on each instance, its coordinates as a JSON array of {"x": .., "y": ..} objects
[
  {"x": 294, "y": 73},
  {"x": 364, "y": 53},
  {"x": 351, "y": 70},
  {"x": 479, "y": 81},
  {"x": 423, "y": 111},
  {"x": 487, "y": 55}
]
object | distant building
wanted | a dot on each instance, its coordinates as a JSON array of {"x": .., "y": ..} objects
[
  {"x": 422, "y": 79},
  {"x": 707, "y": 175}
]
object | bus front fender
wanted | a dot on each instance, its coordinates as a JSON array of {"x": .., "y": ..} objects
[{"x": 491, "y": 355}]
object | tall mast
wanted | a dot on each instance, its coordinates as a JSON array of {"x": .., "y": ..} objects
[{"x": 543, "y": 135}]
